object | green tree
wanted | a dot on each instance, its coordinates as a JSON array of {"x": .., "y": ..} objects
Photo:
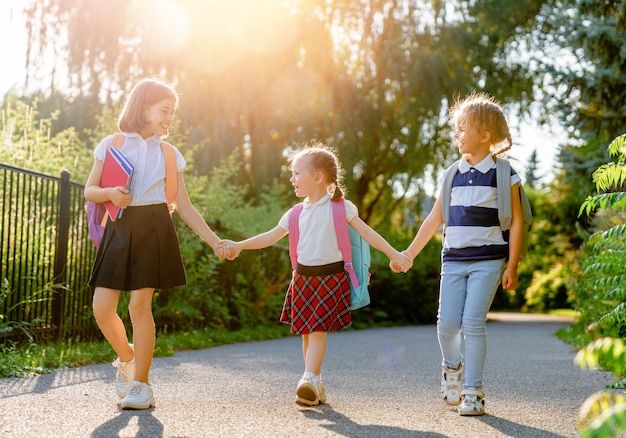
[
  {"x": 583, "y": 66},
  {"x": 579, "y": 66},
  {"x": 375, "y": 81},
  {"x": 531, "y": 177},
  {"x": 373, "y": 78}
]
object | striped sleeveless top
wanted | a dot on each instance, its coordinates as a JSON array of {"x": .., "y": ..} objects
[{"x": 473, "y": 232}]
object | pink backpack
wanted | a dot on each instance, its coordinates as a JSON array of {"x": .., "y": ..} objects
[{"x": 354, "y": 250}]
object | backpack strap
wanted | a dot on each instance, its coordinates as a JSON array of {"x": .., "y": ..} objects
[
  {"x": 340, "y": 222},
  {"x": 294, "y": 234},
  {"x": 343, "y": 239},
  {"x": 171, "y": 175},
  {"x": 446, "y": 190},
  {"x": 503, "y": 182},
  {"x": 117, "y": 140}
]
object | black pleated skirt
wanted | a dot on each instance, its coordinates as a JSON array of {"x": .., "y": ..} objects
[{"x": 139, "y": 250}]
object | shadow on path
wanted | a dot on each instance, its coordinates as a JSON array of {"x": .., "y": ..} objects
[
  {"x": 43, "y": 383},
  {"x": 342, "y": 425},
  {"x": 509, "y": 428},
  {"x": 147, "y": 425}
]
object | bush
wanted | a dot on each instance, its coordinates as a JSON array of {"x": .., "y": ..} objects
[
  {"x": 404, "y": 299},
  {"x": 600, "y": 295}
]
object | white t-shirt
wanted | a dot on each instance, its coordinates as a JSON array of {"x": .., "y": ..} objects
[
  {"x": 148, "y": 183},
  {"x": 317, "y": 244}
]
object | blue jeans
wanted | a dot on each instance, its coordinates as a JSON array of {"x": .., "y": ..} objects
[{"x": 466, "y": 293}]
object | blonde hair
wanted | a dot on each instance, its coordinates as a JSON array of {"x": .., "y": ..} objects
[
  {"x": 323, "y": 158},
  {"x": 145, "y": 93},
  {"x": 484, "y": 112}
]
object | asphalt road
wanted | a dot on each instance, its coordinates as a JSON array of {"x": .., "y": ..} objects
[{"x": 379, "y": 383}]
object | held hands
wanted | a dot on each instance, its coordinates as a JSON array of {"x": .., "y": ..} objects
[
  {"x": 400, "y": 262},
  {"x": 227, "y": 249}
]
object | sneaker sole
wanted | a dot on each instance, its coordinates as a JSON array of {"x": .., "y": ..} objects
[
  {"x": 138, "y": 406},
  {"x": 471, "y": 414},
  {"x": 306, "y": 402},
  {"x": 305, "y": 394}
]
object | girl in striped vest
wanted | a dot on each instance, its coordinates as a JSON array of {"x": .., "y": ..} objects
[{"x": 477, "y": 255}]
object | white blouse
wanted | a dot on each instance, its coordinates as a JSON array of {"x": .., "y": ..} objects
[
  {"x": 148, "y": 183},
  {"x": 317, "y": 244}
]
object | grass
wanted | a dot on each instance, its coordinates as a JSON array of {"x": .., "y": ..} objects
[
  {"x": 34, "y": 359},
  {"x": 565, "y": 312}
]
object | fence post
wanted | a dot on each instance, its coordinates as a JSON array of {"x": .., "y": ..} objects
[{"x": 60, "y": 261}]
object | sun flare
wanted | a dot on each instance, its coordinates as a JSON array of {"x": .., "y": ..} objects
[{"x": 167, "y": 26}]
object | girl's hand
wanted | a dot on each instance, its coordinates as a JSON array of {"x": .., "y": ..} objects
[
  {"x": 400, "y": 262},
  {"x": 223, "y": 249},
  {"x": 119, "y": 196},
  {"x": 509, "y": 278},
  {"x": 227, "y": 249},
  {"x": 395, "y": 267}
]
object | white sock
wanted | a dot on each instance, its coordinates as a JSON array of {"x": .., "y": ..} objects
[
  {"x": 309, "y": 374},
  {"x": 318, "y": 379}
]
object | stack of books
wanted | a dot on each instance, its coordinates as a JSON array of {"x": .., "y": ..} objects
[{"x": 117, "y": 171}]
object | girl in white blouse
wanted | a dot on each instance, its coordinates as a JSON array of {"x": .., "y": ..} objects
[{"x": 140, "y": 251}]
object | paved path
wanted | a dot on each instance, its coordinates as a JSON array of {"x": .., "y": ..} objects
[{"x": 380, "y": 383}]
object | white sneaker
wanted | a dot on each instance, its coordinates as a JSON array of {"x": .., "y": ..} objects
[
  {"x": 321, "y": 391},
  {"x": 124, "y": 376},
  {"x": 139, "y": 396},
  {"x": 306, "y": 392},
  {"x": 451, "y": 385},
  {"x": 472, "y": 402}
]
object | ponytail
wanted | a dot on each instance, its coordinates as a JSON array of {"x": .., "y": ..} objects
[
  {"x": 502, "y": 150},
  {"x": 337, "y": 192},
  {"x": 323, "y": 158}
]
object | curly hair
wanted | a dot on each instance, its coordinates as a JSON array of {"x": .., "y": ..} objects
[{"x": 483, "y": 111}]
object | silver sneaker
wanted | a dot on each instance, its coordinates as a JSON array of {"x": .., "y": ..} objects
[
  {"x": 124, "y": 376},
  {"x": 451, "y": 385},
  {"x": 472, "y": 402},
  {"x": 306, "y": 392},
  {"x": 139, "y": 396}
]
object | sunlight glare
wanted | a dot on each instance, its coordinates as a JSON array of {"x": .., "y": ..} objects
[
  {"x": 224, "y": 32},
  {"x": 264, "y": 26},
  {"x": 167, "y": 27}
]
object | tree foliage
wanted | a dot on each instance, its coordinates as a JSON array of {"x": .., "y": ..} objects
[
  {"x": 28, "y": 140},
  {"x": 374, "y": 78},
  {"x": 582, "y": 66},
  {"x": 586, "y": 74}
]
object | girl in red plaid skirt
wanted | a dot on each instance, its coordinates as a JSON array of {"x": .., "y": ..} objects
[{"x": 318, "y": 297}]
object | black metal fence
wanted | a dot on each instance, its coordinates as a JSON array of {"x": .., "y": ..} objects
[
  {"x": 46, "y": 257},
  {"x": 46, "y": 253}
]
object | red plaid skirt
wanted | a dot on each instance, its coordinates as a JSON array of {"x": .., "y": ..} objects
[{"x": 317, "y": 304}]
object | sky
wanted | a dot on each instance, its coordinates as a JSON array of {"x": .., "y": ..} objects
[
  {"x": 527, "y": 135},
  {"x": 13, "y": 44}
]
